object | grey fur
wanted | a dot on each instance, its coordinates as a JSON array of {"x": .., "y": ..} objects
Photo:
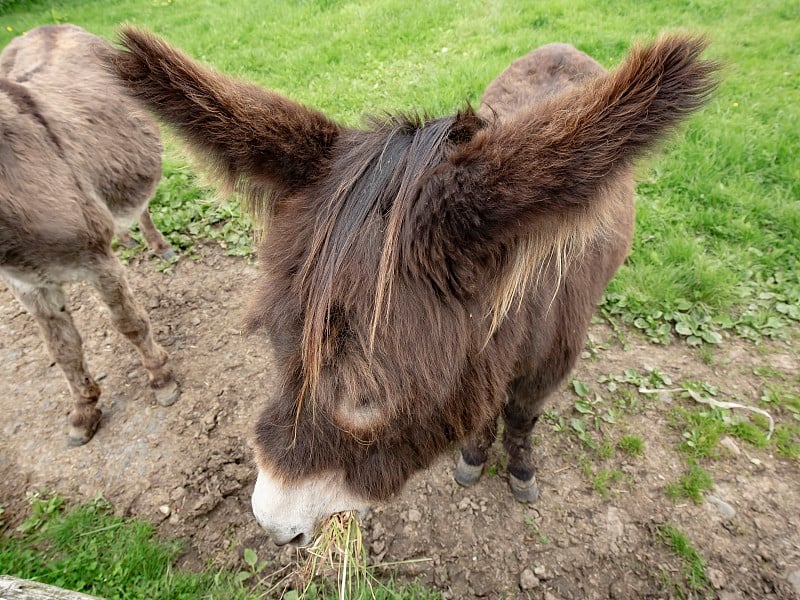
[{"x": 78, "y": 160}]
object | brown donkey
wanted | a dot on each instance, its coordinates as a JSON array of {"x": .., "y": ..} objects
[
  {"x": 78, "y": 159},
  {"x": 423, "y": 277}
]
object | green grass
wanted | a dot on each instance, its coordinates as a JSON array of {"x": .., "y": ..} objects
[
  {"x": 783, "y": 400},
  {"x": 187, "y": 212},
  {"x": 632, "y": 445},
  {"x": 691, "y": 485},
  {"x": 694, "y": 566},
  {"x": 86, "y": 548},
  {"x": 718, "y": 211}
]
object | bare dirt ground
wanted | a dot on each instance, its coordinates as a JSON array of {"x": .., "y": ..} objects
[{"x": 188, "y": 467}]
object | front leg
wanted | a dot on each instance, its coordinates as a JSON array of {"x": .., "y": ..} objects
[{"x": 474, "y": 454}]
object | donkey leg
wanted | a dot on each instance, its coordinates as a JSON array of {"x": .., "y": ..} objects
[
  {"x": 48, "y": 306},
  {"x": 525, "y": 403},
  {"x": 474, "y": 454},
  {"x": 131, "y": 320},
  {"x": 155, "y": 240}
]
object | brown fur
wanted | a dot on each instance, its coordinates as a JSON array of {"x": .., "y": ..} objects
[
  {"x": 77, "y": 157},
  {"x": 423, "y": 276}
]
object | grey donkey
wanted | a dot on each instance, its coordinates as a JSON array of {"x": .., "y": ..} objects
[{"x": 79, "y": 161}]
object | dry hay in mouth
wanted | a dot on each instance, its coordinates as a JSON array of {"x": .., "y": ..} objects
[
  {"x": 338, "y": 554},
  {"x": 339, "y": 548}
]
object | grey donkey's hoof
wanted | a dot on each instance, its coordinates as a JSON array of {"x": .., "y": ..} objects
[
  {"x": 127, "y": 241},
  {"x": 167, "y": 255},
  {"x": 78, "y": 436},
  {"x": 524, "y": 491},
  {"x": 168, "y": 394},
  {"x": 467, "y": 474}
]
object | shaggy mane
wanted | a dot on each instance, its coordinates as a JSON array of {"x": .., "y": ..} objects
[{"x": 380, "y": 172}]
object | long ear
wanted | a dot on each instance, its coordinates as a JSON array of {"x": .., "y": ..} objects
[
  {"x": 557, "y": 156},
  {"x": 244, "y": 131}
]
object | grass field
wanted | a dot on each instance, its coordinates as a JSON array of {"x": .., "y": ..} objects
[{"x": 716, "y": 252}]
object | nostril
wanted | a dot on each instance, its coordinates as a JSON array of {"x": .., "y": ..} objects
[{"x": 299, "y": 540}]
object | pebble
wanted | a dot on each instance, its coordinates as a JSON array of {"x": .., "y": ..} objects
[
  {"x": 725, "y": 509},
  {"x": 717, "y": 578},
  {"x": 177, "y": 493},
  {"x": 541, "y": 572},
  {"x": 378, "y": 529},
  {"x": 414, "y": 515},
  {"x": 794, "y": 579},
  {"x": 164, "y": 509},
  {"x": 528, "y": 580}
]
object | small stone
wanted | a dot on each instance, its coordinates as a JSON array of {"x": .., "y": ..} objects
[
  {"x": 717, "y": 578},
  {"x": 178, "y": 493},
  {"x": 794, "y": 579},
  {"x": 528, "y": 580},
  {"x": 164, "y": 510},
  {"x": 728, "y": 443},
  {"x": 195, "y": 321},
  {"x": 541, "y": 572},
  {"x": 464, "y": 504},
  {"x": 378, "y": 530},
  {"x": 725, "y": 509},
  {"x": 414, "y": 515}
]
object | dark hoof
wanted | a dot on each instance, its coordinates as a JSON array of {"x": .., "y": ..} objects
[
  {"x": 167, "y": 394},
  {"x": 168, "y": 255},
  {"x": 78, "y": 436},
  {"x": 524, "y": 491},
  {"x": 467, "y": 474}
]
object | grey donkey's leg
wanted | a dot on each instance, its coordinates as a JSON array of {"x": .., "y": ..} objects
[
  {"x": 132, "y": 321},
  {"x": 474, "y": 454},
  {"x": 155, "y": 240},
  {"x": 48, "y": 306}
]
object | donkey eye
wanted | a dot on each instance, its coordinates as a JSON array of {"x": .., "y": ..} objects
[{"x": 338, "y": 332}]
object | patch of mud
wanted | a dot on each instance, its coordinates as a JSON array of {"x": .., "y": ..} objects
[{"x": 188, "y": 467}]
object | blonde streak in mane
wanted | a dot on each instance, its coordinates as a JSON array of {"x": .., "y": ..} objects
[
  {"x": 537, "y": 251},
  {"x": 383, "y": 287}
]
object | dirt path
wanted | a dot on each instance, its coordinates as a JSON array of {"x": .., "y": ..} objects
[{"x": 188, "y": 466}]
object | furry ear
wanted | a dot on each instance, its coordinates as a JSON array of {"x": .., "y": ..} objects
[
  {"x": 553, "y": 160},
  {"x": 249, "y": 135}
]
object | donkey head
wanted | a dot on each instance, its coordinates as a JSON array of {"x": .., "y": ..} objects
[{"x": 387, "y": 254}]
